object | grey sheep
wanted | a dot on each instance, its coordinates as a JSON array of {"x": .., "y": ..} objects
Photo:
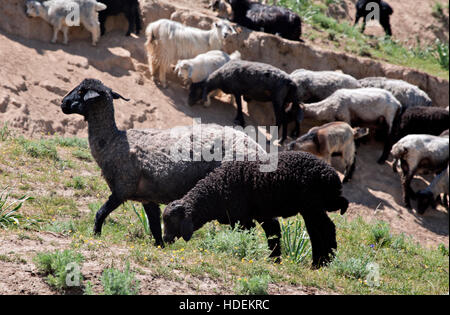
[
  {"x": 315, "y": 86},
  {"x": 143, "y": 165},
  {"x": 56, "y": 12},
  {"x": 419, "y": 154},
  {"x": 238, "y": 193},
  {"x": 255, "y": 81},
  {"x": 407, "y": 94},
  {"x": 428, "y": 196}
]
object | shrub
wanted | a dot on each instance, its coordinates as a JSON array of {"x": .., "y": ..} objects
[
  {"x": 354, "y": 268},
  {"x": 116, "y": 282},
  {"x": 256, "y": 285},
  {"x": 380, "y": 234},
  {"x": 60, "y": 268}
]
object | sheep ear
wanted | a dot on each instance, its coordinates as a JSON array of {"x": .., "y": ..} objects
[
  {"x": 91, "y": 95},
  {"x": 187, "y": 228},
  {"x": 116, "y": 96}
]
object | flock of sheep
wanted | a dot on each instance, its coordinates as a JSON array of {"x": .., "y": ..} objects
[{"x": 137, "y": 165}]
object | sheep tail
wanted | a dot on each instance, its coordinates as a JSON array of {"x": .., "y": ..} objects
[
  {"x": 150, "y": 35},
  {"x": 235, "y": 56},
  {"x": 100, "y": 6},
  {"x": 341, "y": 203}
]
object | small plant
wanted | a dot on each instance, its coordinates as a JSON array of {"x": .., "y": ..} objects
[
  {"x": 116, "y": 282},
  {"x": 353, "y": 268},
  {"x": 444, "y": 250},
  {"x": 5, "y": 133},
  {"x": 8, "y": 210},
  {"x": 77, "y": 182},
  {"x": 62, "y": 268},
  {"x": 295, "y": 240},
  {"x": 82, "y": 154},
  {"x": 381, "y": 234},
  {"x": 239, "y": 243},
  {"x": 44, "y": 149},
  {"x": 256, "y": 285},
  {"x": 142, "y": 216},
  {"x": 442, "y": 54}
]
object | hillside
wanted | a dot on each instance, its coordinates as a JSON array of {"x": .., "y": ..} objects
[{"x": 67, "y": 187}]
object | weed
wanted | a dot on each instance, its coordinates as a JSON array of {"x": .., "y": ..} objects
[
  {"x": 61, "y": 268},
  {"x": 8, "y": 210},
  {"x": 116, "y": 282},
  {"x": 295, "y": 240},
  {"x": 256, "y": 285},
  {"x": 236, "y": 242}
]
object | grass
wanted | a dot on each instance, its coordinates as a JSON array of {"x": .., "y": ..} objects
[
  {"x": 116, "y": 282},
  {"x": 370, "y": 259},
  {"x": 9, "y": 215},
  {"x": 61, "y": 268},
  {"x": 432, "y": 58}
]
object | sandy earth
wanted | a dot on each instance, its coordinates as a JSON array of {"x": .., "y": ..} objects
[{"x": 35, "y": 75}]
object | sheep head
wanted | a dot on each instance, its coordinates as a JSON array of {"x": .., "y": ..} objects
[
  {"x": 33, "y": 8},
  {"x": 88, "y": 95},
  {"x": 425, "y": 199},
  {"x": 196, "y": 92},
  {"x": 183, "y": 69},
  {"x": 224, "y": 29},
  {"x": 177, "y": 223}
]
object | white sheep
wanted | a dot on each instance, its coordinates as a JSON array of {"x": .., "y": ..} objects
[
  {"x": 329, "y": 139},
  {"x": 315, "y": 86},
  {"x": 408, "y": 94},
  {"x": 419, "y": 154},
  {"x": 368, "y": 105},
  {"x": 169, "y": 41},
  {"x": 199, "y": 68},
  {"x": 58, "y": 12},
  {"x": 428, "y": 196}
]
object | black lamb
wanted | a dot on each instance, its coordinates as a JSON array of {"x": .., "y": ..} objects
[
  {"x": 237, "y": 192},
  {"x": 270, "y": 19},
  {"x": 128, "y": 7},
  {"x": 255, "y": 81},
  {"x": 362, "y": 11},
  {"x": 416, "y": 120}
]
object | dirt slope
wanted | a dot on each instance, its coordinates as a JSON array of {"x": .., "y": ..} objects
[
  {"x": 410, "y": 21},
  {"x": 35, "y": 75}
]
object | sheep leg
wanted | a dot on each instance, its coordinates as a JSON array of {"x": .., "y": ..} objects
[
  {"x": 138, "y": 20},
  {"x": 55, "y": 34},
  {"x": 406, "y": 179},
  {"x": 131, "y": 23},
  {"x": 102, "y": 20},
  {"x": 162, "y": 75},
  {"x": 112, "y": 204},
  {"x": 386, "y": 150},
  {"x": 322, "y": 234},
  {"x": 273, "y": 232},
  {"x": 65, "y": 30},
  {"x": 239, "y": 120},
  {"x": 349, "y": 170},
  {"x": 154, "y": 220}
]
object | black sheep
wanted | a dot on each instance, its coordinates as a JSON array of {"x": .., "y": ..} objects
[
  {"x": 416, "y": 120},
  {"x": 128, "y": 7},
  {"x": 270, "y": 19},
  {"x": 362, "y": 11},
  {"x": 257, "y": 81},
  {"x": 238, "y": 192}
]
